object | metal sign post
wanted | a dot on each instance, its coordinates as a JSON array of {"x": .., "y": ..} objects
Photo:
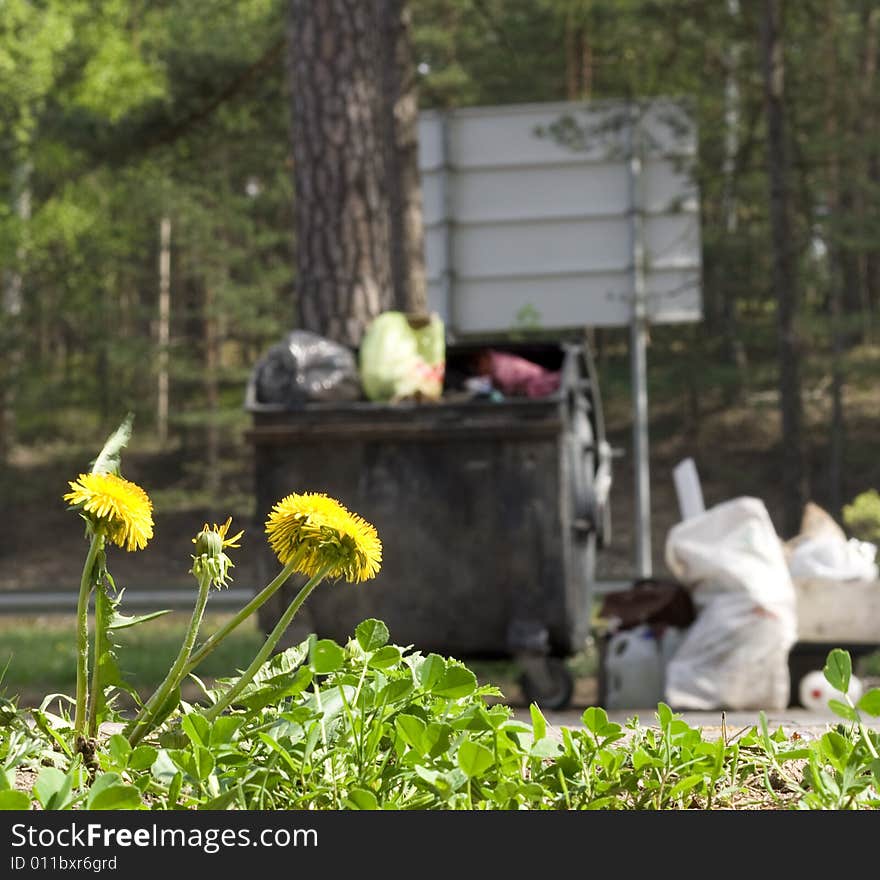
[{"x": 638, "y": 353}]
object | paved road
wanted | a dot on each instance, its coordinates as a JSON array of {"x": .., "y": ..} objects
[{"x": 806, "y": 722}]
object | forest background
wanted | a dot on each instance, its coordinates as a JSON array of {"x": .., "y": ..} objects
[{"x": 147, "y": 247}]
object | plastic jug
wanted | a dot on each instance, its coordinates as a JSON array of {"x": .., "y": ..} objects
[{"x": 634, "y": 669}]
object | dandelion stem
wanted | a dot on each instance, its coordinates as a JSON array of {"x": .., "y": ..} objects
[
  {"x": 95, "y": 695},
  {"x": 269, "y": 645},
  {"x": 82, "y": 633},
  {"x": 260, "y": 599},
  {"x": 142, "y": 724}
]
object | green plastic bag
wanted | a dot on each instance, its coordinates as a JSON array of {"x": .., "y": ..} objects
[{"x": 403, "y": 358}]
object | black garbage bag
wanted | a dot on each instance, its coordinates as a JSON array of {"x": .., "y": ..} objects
[{"x": 307, "y": 367}]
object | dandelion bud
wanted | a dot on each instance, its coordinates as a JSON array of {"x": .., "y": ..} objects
[
  {"x": 208, "y": 543},
  {"x": 210, "y": 560}
]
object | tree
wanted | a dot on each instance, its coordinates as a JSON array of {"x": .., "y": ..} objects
[
  {"x": 784, "y": 277},
  {"x": 357, "y": 202}
]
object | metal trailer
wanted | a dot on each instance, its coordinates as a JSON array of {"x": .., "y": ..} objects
[{"x": 490, "y": 514}]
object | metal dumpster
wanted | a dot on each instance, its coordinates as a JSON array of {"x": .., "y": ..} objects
[{"x": 490, "y": 513}]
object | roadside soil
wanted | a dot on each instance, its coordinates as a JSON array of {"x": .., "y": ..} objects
[{"x": 735, "y": 448}]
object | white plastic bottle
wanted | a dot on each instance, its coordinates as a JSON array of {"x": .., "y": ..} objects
[
  {"x": 814, "y": 691},
  {"x": 634, "y": 670}
]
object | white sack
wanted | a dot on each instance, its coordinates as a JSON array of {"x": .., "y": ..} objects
[
  {"x": 833, "y": 559},
  {"x": 732, "y": 547},
  {"x": 735, "y": 654}
]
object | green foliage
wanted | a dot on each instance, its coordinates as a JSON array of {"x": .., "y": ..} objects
[
  {"x": 862, "y": 516},
  {"x": 361, "y": 737},
  {"x": 104, "y": 134}
]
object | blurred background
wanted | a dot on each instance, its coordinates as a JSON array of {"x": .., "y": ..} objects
[{"x": 148, "y": 255}]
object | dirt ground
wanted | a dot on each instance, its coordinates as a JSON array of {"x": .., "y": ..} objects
[{"x": 735, "y": 449}]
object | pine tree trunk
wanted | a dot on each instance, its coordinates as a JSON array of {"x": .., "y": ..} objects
[
  {"x": 784, "y": 277},
  {"x": 354, "y": 133}
]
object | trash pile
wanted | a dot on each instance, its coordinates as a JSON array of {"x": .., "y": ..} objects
[
  {"x": 401, "y": 358},
  {"x": 740, "y": 577},
  {"x": 735, "y": 654},
  {"x": 822, "y": 550}
]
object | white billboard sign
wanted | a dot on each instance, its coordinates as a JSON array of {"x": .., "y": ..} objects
[{"x": 556, "y": 216}]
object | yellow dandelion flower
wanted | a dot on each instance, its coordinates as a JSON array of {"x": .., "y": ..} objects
[
  {"x": 209, "y": 558},
  {"x": 317, "y": 531},
  {"x": 122, "y": 507}
]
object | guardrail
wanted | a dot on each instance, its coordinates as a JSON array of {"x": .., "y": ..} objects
[{"x": 64, "y": 601}]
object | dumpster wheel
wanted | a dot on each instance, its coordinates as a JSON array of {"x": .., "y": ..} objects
[{"x": 546, "y": 681}]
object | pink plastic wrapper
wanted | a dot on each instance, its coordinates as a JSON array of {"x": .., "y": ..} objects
[{"x": 517, "y": 377}]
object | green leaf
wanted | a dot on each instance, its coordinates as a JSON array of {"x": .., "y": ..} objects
[
  {"x": 285, "y": 663},
  {"x": 430, "y": 671},
  {"x": 109, "y": 793},
  {"x": 110, "y": 457},
  {"x": 641, "y": 758},
  {"x": 385, "y": 658},
  {"x": 174, "y": 787},
  {"x": 838, "y": 669},
  {"x": 395, "y": 691},
  {"x": 474, "y": 717},
  {"x": 539, "y": 723},
  {"x": 333, "y": 702},
  {"x": 142, "y": 758},
  {"x": 197, "y": 728},
  {"x": 46, "y": 727},
  {"x": 277, "y": 747},
  {"x": 273, "y": 690},
  {"x": 664, "y": 715},
  {"x": 445, "y": 783},
  {"x": 371, "y": 634},
  {"x": 326, "y": 657},
  {"x": 361, "y": 799},
  {"x": 119, "y": 749},
  {"x": 474, "y": 758},
  {"x": 53, "y": 788},
  {"x": 163, "y": 768},
  {"x": 411, "y": 730},
  {"x": 203, "y": 763},
  {"x": 685, "y": 785},
  {"x": 435, "y": 739},
  {"x": 221, "y": 802},
  {"x": 456, "y": 682},
  {"x": 843, "y": 709},
  {"x": 123, "y": 621},
  {"x": 870, "y": 702},
  {"x": 836, "y": 748},
  {"x": 223, "y": 730},
  {"x": 14, "y": 800},
  {"x": 595, "y": 718},
  {"x": 545, "y": 748}
]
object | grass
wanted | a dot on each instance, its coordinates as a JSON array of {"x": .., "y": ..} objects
[{"x": 38, "y": 653}]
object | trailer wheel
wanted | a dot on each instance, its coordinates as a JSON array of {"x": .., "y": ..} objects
[{"x": 547, "y": 681}]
